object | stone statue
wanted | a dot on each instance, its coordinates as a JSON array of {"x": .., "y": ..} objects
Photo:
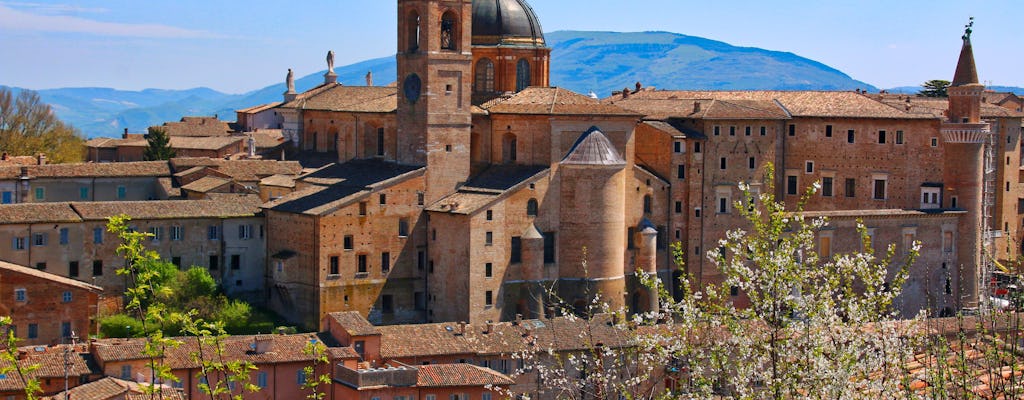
[
  {"x": 330, "y": 62},
  {"x": 969, "y": 28},
  {"x": 290, "y": 80}
]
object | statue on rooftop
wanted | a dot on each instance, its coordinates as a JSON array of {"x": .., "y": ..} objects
[
  {"x": 330, "y": 62},
  {"x": 290, "y": 80},
  {"x": 969, "y": 28}
]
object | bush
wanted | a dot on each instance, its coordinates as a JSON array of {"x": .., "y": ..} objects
[{"x": 120, "y": 326}]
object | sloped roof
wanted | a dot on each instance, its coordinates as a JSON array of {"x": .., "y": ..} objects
[
  {"x": 454, "y": 375},
  {"x": 966, "y": 72},
  {"x": 593, "y": 148},
  {"x": 336, "y": 185},
  {"x": 259, "y": 108},
  {"x": 494, "y": 183},
  {"x": 551, "y": 101},
  {"x": 197, "y": 126},
  {"x": 206, "y": 184},
  {"x": 826, "y": 104},
  {"x": 90, "y": 170},
  {"x": 282, "y": 349},
  {"x": 168, "y": 209},
  {"x": 354, "y": 323},
  {"x": 362, "y": 99},
  {"x": 30, "y": 213},
  {"x": 936, "y": 106},
  {"x": 239, "y": 170},
  {"x": 15, "y": 268}
]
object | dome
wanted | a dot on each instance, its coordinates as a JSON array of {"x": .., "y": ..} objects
[{"x": 506, "y": 23}]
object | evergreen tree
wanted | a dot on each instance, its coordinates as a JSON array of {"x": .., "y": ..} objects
[
  {"x": 934, "y": 88},
  {"x": 159, "y": 145}
]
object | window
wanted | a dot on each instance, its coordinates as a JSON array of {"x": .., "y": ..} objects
[
  {"x": 83, "y": 193},
  {"x": 8, "y": 197},
  {"x": 696, "y": 212},
  {"x": 722, "y": 163},
  {"x": 746, "y": 131},
  {"x": 648, "y": 206},
  {"x": 681, "y": 172},
  {"x": 347, "y": 242},
  {"x": 387, "y": 304},
  {"x": 850, "y": 136},
  {"x": 485, "y": 75},
  {"x": 126, "y": 372},
  {"x": 40, "y": 193},
  {"x": 39, "y": 239},
  {"x": 64, "y": 233},
  {"x": 696, "y": 147},
  {"x": 828, "y": 130},
  {"x": 678, "y": 147},
  {"x": 18, "y": 243},
  {"x": 826, "y": 186},
  {"x": 679, "y": 207},
  {"x": 334, "y": 265},
  {"x": 825, "y": 245},
  {"x": 403, "y": 227},
  {"x": 809, "y": 167},
  {"x": 880, "y": 188},
  {"x": 65, "y": 297},
  {"x": 245, "y": 232},
  {"x": 851, "y": 187},
  {"x": 952, "y": 202},
  {"x": 522, "y": 75},
  {"x": 97, "y": 268},
  {"x": 732, "y": 131},
  {"x": 935, "y": 142},
  {"x": 718, "y": 130},
  {"x": 489, "y": 238},
  {"x": 33, "y": 331},
  {"x": 791, "y": 185},
  {"x": 362, "y": 208},
  {"x": 792, "y": 130},
  {"x": 73, "y": 269},
  {"x": 213, "y": 232},
  {"x": 489, "y": 299},
  {"x": 362, "y": 266},
  {"x": 516, "y": 250},
  {"x": 549, "y": 247},
  {"x": 236, "y": 261},
  {"x": 214, "y": 263},
  {"x": 899, "y": 137},
  {"x": 97, "y": 235},
  {"x": 881, "y": 137},
  {"x": 734, "y": 291},
  {"x": 300, "y": 377},
  {"x": 122, "y": 192},
  {"x": 20, "y": 295},
  {"x": 764, "y": 131},
  {"x": 723, "y": 205},
  {"x": 177, "y": 233},
  {"x": 176, "y": 260},
  {"x": 41, "y": 266},
  {"x": 751, "y": 163},
  {"x": 531, "y": 207},
  {"x": 420, "y": 198},
  {"x": 489, "y": 270},
  {"x": 449, "y": 32},
  {"x": 930, "y": 197},
  {"x": 490, "y": 215},
  {"x": 485, "y": 396},
  {"x": 385, "y": 262},
  {"x": 380, "y": 141},
  {"x": 155, "y": 233}
]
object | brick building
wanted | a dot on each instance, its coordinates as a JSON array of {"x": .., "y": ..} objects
[
  {"x": 519, "y": 178},
  {"x": 46, "y": 308}
]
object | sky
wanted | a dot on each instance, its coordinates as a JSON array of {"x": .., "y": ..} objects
[{"x": 235, "y": 46}]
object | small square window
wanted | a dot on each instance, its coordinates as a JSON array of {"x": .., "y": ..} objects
[
  {"x": 850, "y": 136},
  {"x": 696, "y": 147},
  {"x": 488, "y": 270},
  {"x": 881, "y": 137},
  {"x": 348, "y": 242},
  {"x": 828, "y": 130},
  {"x": 935, "y": 142},
  {"x": 718, "y": 130},
  {"x": 20, "y": 295},
  {"x": 791, "y": 185},
  {"x": 764, "y": 131},
  {"x": 383, "y": 199},
  {"x": 362, "y": 208},
  {"x": 826, "y": 186},
  {"x": 732, "y": 131},
  {"x": 66, "y": 297},
  {"x": 809, "y": 167},
  {"x": 489, "y": 238},
  {"x": 696, "y": 212},
  {"x": 490, "y": 215},
  {"x": 746, "y": 131},
  {"x": 899, "y": 137},
  {"x": 678, "y": 147},
  {"x": 792, "y": 130}
]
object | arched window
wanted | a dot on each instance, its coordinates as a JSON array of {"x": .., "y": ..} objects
[
  {"x": 414, "y": 32},
  {"x": 484, "y": 75},
  {"x": 522, "y": 75},
  {"x": 449, "y": 31},
  {"x": 508, "y": 148},
  {"x": 531, "y": 207}
]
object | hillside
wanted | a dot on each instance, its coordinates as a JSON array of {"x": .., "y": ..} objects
[{"x": 581, "y": 61}]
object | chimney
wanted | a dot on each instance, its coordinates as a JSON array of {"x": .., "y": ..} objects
[
  {"x": 41, "y": 159},
  {"x": 639, "y": 86},
  {"x": 625, "y": 93},
  {"x": 519, "y": 320},
  {"x": 490, "y": 327},
  {"x": 125, "y": 135},
  {"x": 462, "y": 328},
  {"x": 369, "y": 78},
  {"x": 696, "y": 107},
  {"x": 4, "y": 156},
  {"x": 252, "y": 146}
]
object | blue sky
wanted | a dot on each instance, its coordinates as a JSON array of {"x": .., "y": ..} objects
[{"x": 241, "y": 45}]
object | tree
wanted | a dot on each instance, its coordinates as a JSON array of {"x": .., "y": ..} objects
[
  {"x": 11, "y": 361},
  {"x": 29, "y": 127},
  {"x": 159, "y": 145},
  {"x": 934, "y": 88}
]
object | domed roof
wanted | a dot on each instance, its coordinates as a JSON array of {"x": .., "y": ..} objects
[{"x": 506, "y": 23}]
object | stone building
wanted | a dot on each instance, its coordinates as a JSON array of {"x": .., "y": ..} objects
[
  {"x": 47, "y": 309},
  {"x": 525, "y": 190}
]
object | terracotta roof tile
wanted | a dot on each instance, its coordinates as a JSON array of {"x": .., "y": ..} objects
[
  {"x": 268, "y": 138},
  {"x": 113, "y": 388},
  {"x": 937, "y": 106},
  {"x": 197, "y": 126},
  {"x": 167, "y": 209},
  {"x": 239, "y": 170},
  {"x": 90, "y": 170},
  {"x": 338, "y": 184},
  {"x": 6, "y": 267},
  {"x": 796, "y": 103},
  {"x": 287, "y": 181},
  {"x": 281, "y": 349},
  {"x": 261, "y": 107},
  {"x": 30, "y": 213},
  {"x": 206, "y": 184},
  {"x": 454, "y": 375},
  {"x": 486, "y": 187},
  {"x": 363, "y": 99},
  {"x": 551, "y": 101},
  {"x": 593, "y": 148},
  {"x": 354, "y": 323}
]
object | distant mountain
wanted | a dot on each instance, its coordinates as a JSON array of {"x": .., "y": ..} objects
[
  {"x": 914, "y": 89},
  {"x": 581, "y": 61}
]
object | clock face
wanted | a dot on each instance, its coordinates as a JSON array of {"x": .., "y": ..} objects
[{"x": 412, "y": 87}]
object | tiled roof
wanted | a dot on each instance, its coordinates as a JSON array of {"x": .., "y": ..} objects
[
  {"x": 362, "y": 99},
  {"x": 354, "y": 323},
  {"x": 593, "y": 148},
  {"x": 261, "y": 107},
  {"x": 240, "y": 170},
  {"x": 966, "y": 72},
  {"x": 879, "y": 213},
  {"x": 483, "y": 189},
  {"x": 282, "y": 349},
  {"x": 167, "y": 185},
  {"x": 51, "y": 360},
  {"x": 341, "y": 183},
  {"x": 90, "y": 170},
  {"x": 31, "y": 213},
  {"x": 206, "y": 184},
  {"x": 268, "y": 138},
  {"x": 287, "y": 181},
  {"x": 826, "y": 104},
  {"x": 103, "y": 143},
  {"x": 6, "y": 267},
  {"x": 110, "y": 388},
  {"x": 552, "y": 101},
  {"x": 197, "y": 126},
  {"x": 166, "y": 209},
  {"x": 701, "y": 108},
  {"x": 937, "y": 106},
  {"x": 454, "y": 375},
  {"x": 674, "y": 130}
]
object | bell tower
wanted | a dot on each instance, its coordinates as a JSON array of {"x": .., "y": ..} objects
[{"x": 434, "y": 90}]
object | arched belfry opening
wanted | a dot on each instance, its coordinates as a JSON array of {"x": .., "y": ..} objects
[
  {"x": 413, "y": 26},
  {"x": 450, "y": 31}
]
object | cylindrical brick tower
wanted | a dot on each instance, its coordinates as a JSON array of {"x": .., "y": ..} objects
[
  {"x": 533, "y": 289},
  {"x": 592, "y": 236},
  {"x": 647, "y": 261}
]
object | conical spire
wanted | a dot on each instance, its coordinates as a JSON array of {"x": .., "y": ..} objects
[{"x": 966, "y": 71}]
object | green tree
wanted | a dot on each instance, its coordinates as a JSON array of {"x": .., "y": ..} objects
[
  {"x": 314, "y": 378},
  {"x": 934, "y": 88},
  {"x": 9, "y": 356},
  {"x": 159, "y": 145},
  {"x": 29, "y": 127}
]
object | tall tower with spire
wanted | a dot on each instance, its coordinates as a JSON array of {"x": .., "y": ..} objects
[{"x": 965, "y": 137}]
